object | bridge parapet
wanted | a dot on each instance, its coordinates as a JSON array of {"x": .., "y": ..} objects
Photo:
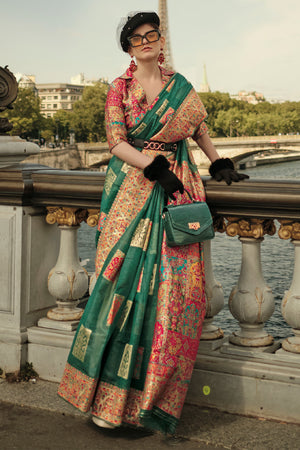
[
  {"x": 44, "y": 284},
  {"x": 95, "y": 156}
]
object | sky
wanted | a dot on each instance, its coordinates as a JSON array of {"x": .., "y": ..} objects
[{"x": 251, "y": 45}]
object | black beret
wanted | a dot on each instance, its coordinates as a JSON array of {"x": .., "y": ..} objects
[{"x": 134, "y": 22}]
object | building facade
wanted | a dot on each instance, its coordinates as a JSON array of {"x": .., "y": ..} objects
[
  {"x": 56, "y": 96},
  {"x": 81, "y": 80},
  {"x": 249, "y": 97},
  {"x": 26, "y": 81}
]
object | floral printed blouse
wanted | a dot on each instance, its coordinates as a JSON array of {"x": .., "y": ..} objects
[{"x": 126, "y": 105}]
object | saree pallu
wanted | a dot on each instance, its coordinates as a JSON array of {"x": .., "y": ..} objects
[{"x": 134, "y": 350}]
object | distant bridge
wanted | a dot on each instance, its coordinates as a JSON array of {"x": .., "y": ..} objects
[
  {"x": 96, "y": 156},
  {"x": 275, "y": 148}
]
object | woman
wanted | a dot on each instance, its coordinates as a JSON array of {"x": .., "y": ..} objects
[{"x": 134, "y": 351}]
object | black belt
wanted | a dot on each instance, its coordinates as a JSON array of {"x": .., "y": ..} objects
[{"x": 152, "y": 145}]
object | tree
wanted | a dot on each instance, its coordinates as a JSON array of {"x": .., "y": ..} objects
[
  {"x": 290, "y": 122},
  {"x": 216, "y": 102},
  {"x": 230, "y": 117},
  {"x": 62, "y": 124},
  {"x": 26, "y": 116},
  {"x": 230, "y": 122},
  {"x": 88, "y": 115}
]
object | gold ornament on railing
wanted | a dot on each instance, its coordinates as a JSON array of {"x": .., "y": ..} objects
[
  {"x": 65, "y": 215},
  {"x": 71, "y": 216},
  {"x": 289, "y": 229},
  {"x": 219, "y": 224},
  {"x": 250, "y": 227},
  {"x": 93, "y": 217}
]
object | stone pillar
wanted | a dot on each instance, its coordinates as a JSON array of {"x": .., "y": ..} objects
[
  {"x": 214, "y": 298},
  {"x": 251, "y": 302},
  {"x": 50, "y": 341},
  {"x": 290, "y": 306},
  {"x": 29, "y": 248},
  {"x": 92, "y": 221},
  {"x": 68, "y": 280}
]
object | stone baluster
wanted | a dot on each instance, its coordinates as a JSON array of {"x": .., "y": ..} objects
[
  {"x": 92, "y": 221},
  {"x": 68, "y": 280},
  {"x": 290, "y": 306},
  {"x": 251, "y": 302},
  {"x": 213, "y": 291}
]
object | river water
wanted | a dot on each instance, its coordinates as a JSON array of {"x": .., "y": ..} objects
[{"x": 277, "y": 257}]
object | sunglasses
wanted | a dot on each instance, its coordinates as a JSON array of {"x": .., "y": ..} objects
[{"x": 136, "y": 40}]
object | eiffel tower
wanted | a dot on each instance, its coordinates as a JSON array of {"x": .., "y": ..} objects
[{"x": 164, "y": 27}]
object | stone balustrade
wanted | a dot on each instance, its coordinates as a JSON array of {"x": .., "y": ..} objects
[{"x": 41, "y": 211}]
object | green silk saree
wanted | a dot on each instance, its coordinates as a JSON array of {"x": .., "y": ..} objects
[{"x": 134, "y": 350}]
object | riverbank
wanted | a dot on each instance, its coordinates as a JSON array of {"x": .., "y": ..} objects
[{"x": 260, "y": 160}]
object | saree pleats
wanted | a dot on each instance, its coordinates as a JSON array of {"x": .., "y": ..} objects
[{"x": 135, "y": 347}]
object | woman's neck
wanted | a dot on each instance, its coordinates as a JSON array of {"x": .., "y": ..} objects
[{"x": 148, "y": 70}]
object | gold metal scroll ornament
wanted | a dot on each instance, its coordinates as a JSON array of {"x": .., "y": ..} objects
[
  {"x": 255, "y": 228},
  {"x": 71, "y": 216},
  {"x": 289, "y": 229}
]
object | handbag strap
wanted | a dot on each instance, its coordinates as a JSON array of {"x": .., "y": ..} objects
[{"x": 190, "y": 197}]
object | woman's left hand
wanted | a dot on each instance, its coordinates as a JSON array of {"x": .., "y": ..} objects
[{"x": 223, "y": 169}]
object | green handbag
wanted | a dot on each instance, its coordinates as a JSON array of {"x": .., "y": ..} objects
[{"x": 187, "y": 223}]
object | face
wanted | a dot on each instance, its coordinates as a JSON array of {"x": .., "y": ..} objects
[{"x": 148, "y": 50}]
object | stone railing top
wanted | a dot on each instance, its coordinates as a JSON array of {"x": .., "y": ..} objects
[
  {"x": 33, "y": 184},
  {"x": 254, "y": 198},
  {"x": 41, "y": 186}
]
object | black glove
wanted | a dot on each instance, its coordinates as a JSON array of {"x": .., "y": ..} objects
[
  {"x": 223, "y": 169},
  {"x": 159, "y": 171}
]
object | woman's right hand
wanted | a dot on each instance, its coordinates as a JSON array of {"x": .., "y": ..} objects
[{"x": 159, "y": 171}]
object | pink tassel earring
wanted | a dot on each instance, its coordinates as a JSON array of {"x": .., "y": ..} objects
[
  {"x": 161, "y": 57},
  {"x": 132, "y": 65}
]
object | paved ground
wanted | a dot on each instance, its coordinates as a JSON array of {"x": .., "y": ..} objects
[
  {"x": 33, "y": 417},
  {"x": 26, "y": 428}
]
